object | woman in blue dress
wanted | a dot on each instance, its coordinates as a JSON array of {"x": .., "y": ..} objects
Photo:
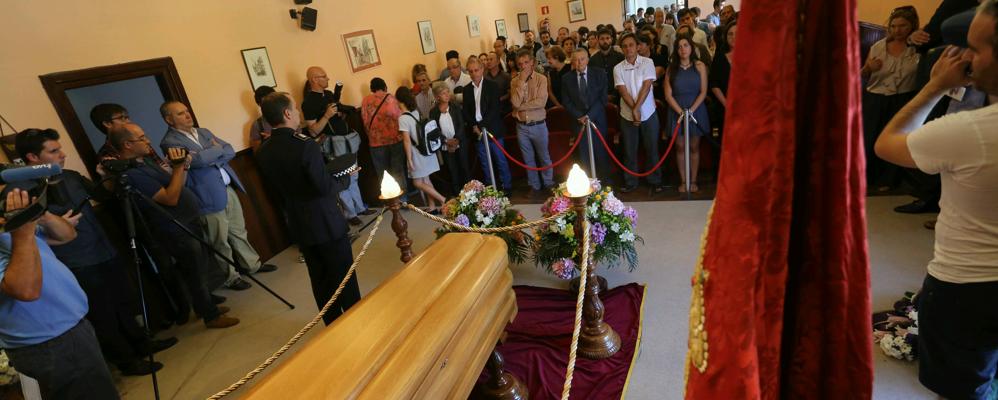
[{"x": 686, "y": 88}]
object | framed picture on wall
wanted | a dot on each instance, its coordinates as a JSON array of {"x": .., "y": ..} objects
[
  {"x": 258, "y": 67},
  {"x": 523, "y": 21},
  {"x": 576, "y": 10},
  {"x": 362, "y": 50},
  {"x": 426, "y": 37},
  {"x": 501, "y": 28},
  {"x": 474, "y": 30}
]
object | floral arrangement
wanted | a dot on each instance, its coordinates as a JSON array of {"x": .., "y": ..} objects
[
  {"x": 7, "y": 373},
  {"x": 478, "y": 206},
  {"x": 896, "y": 331},
  {"x": 611, "y": 230}
]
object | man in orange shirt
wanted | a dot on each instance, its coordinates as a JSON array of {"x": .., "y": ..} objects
[{"x": 381, "y": 121}]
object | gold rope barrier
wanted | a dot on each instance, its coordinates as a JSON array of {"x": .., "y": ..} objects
[
  {"x": 584, "y": 267},
  {"x": 318, "y": 317},
  {"x": 510, "y": 228}
]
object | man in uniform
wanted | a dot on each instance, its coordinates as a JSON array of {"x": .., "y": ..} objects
[{"x": 293, "y": 164}]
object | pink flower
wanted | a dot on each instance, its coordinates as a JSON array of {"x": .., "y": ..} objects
[
  {"x": 612, "y": 205},
  {"x": 559, "y": 204},
  {"x": 489, "y": 205},
  {"x": 564, "y": 268},
  {"x": 473, "y": 186}
]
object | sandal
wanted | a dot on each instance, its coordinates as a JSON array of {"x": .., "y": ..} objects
[{"x": 694, "y": 188}]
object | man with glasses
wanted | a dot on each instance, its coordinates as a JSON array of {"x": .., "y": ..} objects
[
  {"x": 167, "y": 189},
  {"x": 107, "y": 116}
]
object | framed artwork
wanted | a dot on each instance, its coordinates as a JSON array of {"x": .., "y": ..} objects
[
  {"x": 501, "y": 28},
  {"x": 474, "y": 30},
  {"x": 576, "y": 10},
  {"x": 426, "y": 36},
  {"x": 523, "y": 21},
  {"x": 362, "y": 50},
  {"x": 258, "y": 67}
]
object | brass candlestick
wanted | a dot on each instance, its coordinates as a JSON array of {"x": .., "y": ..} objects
[{"x": 597, "y": 340}]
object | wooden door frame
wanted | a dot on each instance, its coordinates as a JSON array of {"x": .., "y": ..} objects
[{"x": 56, "y": 84}]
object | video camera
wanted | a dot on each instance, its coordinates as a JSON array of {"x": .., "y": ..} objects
[{"x": 14, "y": 174}]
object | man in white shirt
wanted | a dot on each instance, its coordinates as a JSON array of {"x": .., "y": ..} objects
[
  {"x": 456, "y": 79},
  {"x": 634, "y": 78},
  {"x": 957, "y": 306}
]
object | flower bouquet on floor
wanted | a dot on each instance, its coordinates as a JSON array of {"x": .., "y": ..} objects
[
  {"x": 480, "y": 206},
  {"x": 8, "y": 375},
  {"x": 611, "y": 225},
  {"x": 896, "y": 331}
]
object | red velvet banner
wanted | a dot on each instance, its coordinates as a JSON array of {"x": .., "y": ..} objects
[{"x": 785, "y": 275}]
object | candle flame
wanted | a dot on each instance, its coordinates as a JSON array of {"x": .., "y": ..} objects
[
  {"x": 578, "y": 182},
  {"x": 389, "y": 187}
]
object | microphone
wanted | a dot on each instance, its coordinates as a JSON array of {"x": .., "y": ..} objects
[{"x": 11, "y": 174}]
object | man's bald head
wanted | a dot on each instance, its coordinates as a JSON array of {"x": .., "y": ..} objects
[
  {"x": 123, "y": 138},
  {"x": 317, "y": 78}
]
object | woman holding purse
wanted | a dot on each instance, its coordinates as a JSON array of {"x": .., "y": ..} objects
[{"x": 448, "y": 117}]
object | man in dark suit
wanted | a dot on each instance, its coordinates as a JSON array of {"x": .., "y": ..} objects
[
  {"x": 292, "y": 162},
  {"x": 585, "y": 100},
  {"x": 482, "y": 113}
]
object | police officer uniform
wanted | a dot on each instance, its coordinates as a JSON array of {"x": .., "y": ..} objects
[{"x": 292, "y": 163}]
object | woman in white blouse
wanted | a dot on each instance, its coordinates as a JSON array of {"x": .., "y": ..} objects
[
  {"x": 889, "y": 74},
  {"x": 420, "y": 166},
  {"x": 448, "y": 115}
]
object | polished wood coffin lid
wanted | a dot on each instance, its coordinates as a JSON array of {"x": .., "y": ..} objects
[{"x": 425, "y": 333}]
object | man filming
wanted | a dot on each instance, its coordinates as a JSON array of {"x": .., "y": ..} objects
[
  {"x": 92, "y": 258},
  {"x": 42, "y": 328},
  {"x": 168, "y": 191}
]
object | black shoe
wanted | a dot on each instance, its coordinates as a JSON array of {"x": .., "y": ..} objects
[
  {"x": 239, "y": 284},
  {"x": 355, "y": 221},
  {"x": 267, "y": 268},
  {"x": 658, "y": 189},
  {"x": 368, "y": 212},
  {"x": 628, "y": 189},
  {"x": 155, "y": 346},
  {"x": 139, "y": 367},
  {"x": 216, "y": 299},
  {"x": 917, "y": 207}
]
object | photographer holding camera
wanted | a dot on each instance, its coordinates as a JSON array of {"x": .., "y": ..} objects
[
  {"x": 42, "y": 328},
  {"x": 168, "y": 191},
  {"x": 957, "y": 307},
  {"x": 91, "y": 257},
  {"x": 324, "y": 120}
]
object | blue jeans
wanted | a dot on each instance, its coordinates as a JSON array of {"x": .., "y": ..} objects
[
  {"x": 647, "y": 133},
  {"x": 353, "y": 204},
  {"x": 533, "y": 141},
  {"x": 499, "y": 160}
]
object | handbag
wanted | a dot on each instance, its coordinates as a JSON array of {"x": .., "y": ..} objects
[{"x": 345, "y": 144}]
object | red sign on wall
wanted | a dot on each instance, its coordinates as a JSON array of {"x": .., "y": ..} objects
[{"x": 544, "y": 10}]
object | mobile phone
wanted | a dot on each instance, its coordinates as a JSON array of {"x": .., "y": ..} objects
[{"x": 79, "y": 207}]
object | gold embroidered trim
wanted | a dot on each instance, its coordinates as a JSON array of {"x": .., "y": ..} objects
[{"x": 697, "y": 352}]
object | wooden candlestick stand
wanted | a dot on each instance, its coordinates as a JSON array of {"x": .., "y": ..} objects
[
  {"x": 597, "y": 340},
  {"x": 401, "y": 228}
]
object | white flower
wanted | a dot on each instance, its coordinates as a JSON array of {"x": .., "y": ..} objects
[
  {"x": 627, "y": 237},
  {"x": 615, "y": 227},
  {"x": 913, "y": 315}
]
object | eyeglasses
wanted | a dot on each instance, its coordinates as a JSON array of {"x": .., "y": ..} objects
[{"x": 123, "y": 117}]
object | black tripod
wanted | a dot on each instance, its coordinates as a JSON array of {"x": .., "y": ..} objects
[{"x": 125, "y": 193}]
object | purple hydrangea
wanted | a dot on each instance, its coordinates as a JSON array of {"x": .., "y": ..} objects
[
  {"x": 490, "y": 206},
  {"x": 612, "y": 205},
  {"x": 598, "y": 232},
  {"x": 462, "y": 220},
  {"x": 632, "y": 215},
  {"x": 564, "y": 268},
  {"x": 559, "y": 204}
]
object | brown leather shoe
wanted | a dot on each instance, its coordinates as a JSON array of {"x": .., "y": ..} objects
[
  {"x": 223, "y": 310},
  {"x": 221, "y": 322}
]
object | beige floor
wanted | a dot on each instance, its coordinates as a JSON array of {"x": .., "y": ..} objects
[{"x": 206, "y": 361}]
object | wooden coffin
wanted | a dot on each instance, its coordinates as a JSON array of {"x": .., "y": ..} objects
[{"x": 425, "y": 333}]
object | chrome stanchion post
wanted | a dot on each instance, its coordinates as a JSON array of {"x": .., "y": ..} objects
[
  {"x": 488, "y": 157},
  {"x": 686, "y": 149},
  {"x": 589, "y": 138}
]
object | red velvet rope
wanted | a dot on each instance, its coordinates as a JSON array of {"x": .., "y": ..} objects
[
  {"x": 675, "y": 132},
  {"x": 527, "y": 167}
]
